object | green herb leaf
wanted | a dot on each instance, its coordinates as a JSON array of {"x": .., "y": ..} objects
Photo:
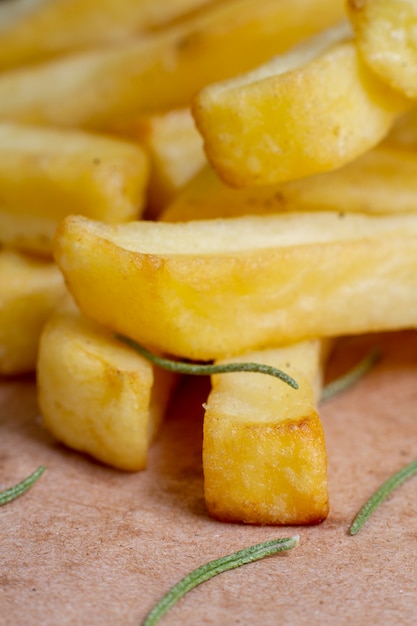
[
  {"x": 207, "y": 571},
  {"x": 205, "y": 369},
  {"x": 381, "y": 494},
  {"x": 14, "y": 492},
  {"x": 351, "y": 377}
]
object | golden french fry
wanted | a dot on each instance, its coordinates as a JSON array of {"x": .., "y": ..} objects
[
  {"x": 163, "y": 70},
  {"x": 310, "y": 110},
  {"x": 97, "y": 395},
  {"x": 386, "y": 35},
  {"x": 54, "y": 27},
  {"x": 210, "y": 289},
  {"x": 264, "y": 454},
  {"x": 383, "y": 180},
  {"x": 29, "y": 290},
  {"x": 175, "y": 150},
  {"x": 46, "y": 174}
]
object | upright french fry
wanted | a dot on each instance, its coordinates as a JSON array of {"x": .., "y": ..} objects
[
  {"x": 387, "y": 39},
  {"x": 54, "y": 27},
  {"x": 384, "y": 180},
  {"x": 175, "y": 148},
  {"x": 29, "y": 290},
  {"x": 46, "y": 174},
  {"x": 97, "y": 395},
  {"x": 210, "y": 289},
  {"x": 311, "y": 110},
  {"x": 164, "y": 70},
  {"x": 264, "y": 454}
]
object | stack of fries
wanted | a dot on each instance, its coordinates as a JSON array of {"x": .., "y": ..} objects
[{"x": 219, "y": 181}]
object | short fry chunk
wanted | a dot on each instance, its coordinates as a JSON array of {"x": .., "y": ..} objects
[
  {"x": 96, "y": 395},
  {"x": 264, "y": 455}
]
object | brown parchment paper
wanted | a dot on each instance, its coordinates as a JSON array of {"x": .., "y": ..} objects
[{"x": 92, "y": 546}]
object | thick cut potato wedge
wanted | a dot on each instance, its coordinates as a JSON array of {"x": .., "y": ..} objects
[
  {"x": 29, "y": 290},
  {"x": 311, "y": 110},
  {"x": 53, "y": 27},
  {"x": 164, "y": 70},
  {"x": 210, "y": 289},
  {"x": 46, "y": 174},
  {"x": 384, "y": 180},
  {"x": 264, "y": 454},
  {"x": 175, "y": 150},
  {"x": 97, "y": 395},
  {"x": 386, "y": 35}
]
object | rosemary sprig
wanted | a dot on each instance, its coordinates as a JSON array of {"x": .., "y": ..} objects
[
  {"x": 212, "y": 568},
  {"x": 381, "y": 494},
  {"x": 351, "y": 377},
  {"x": 206, "y": 369},
  {"x": 17, "y": 490}
]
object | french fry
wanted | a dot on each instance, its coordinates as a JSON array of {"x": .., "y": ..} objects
[
  {"x": 264, "y": 454},
  {"x": 46, "y": 174},
  {"x": 212, "y": 289},
  {"x": 175, "y": 150},
  {"x": 96, "y": 395},
  {"x": 55, "y": 27},
  {"x": 161, "y": 71},
  {"x": 387, "y": 39},
  {"x": 29, "y": 290},
  {"x": 310, "y": 110},
  {"x": 383, "y": 180}
]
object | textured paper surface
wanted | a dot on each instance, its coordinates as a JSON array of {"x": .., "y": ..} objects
[{"x": 89, "y": 545}]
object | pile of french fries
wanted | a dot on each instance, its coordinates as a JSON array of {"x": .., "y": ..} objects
[{"x": 218, "y": 180}]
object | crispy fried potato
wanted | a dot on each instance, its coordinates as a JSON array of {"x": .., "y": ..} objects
[
  {"x": 210, "y": 289},
  {"x": 175, "y": 150},
  {"x": 46, "y": 174},
  {"x": 384, "y": 180},
  {"x": 97, "y": 395},
  {"x": 53, "y": 27},
  {"x": 313, "y": 109},
  {"x": 29, "y": 290},
  {"x": 386, "y": 35},
  {"x": 264, "y": 454},
  {"x": 163, "y": 71}
]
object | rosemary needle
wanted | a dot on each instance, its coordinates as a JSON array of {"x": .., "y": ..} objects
[
  {"x": 17, "y": 490},
  {"x": 351, "y": 377},
  {"x": 381, "y": 494},
  {"x": 206, "y": 369},
  {"x": 212, "y": 568}
]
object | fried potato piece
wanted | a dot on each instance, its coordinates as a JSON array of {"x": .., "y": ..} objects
[
  {"x": 46, "y": 174},
  {"x": 210, "y": 289},
  {"x": 175, "y": 149},
  {"x": 384, "y": 180},
  {"x": 29, "y": 290},
  {"x": 163, "y": 71},
  {"x": 53, "y": 27},
  {"x": 386, "y": 35},
  {"x": 264, "y": 453},
  {"x": 311, "y": 110},
  {"x": 97, "y": 395}
]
